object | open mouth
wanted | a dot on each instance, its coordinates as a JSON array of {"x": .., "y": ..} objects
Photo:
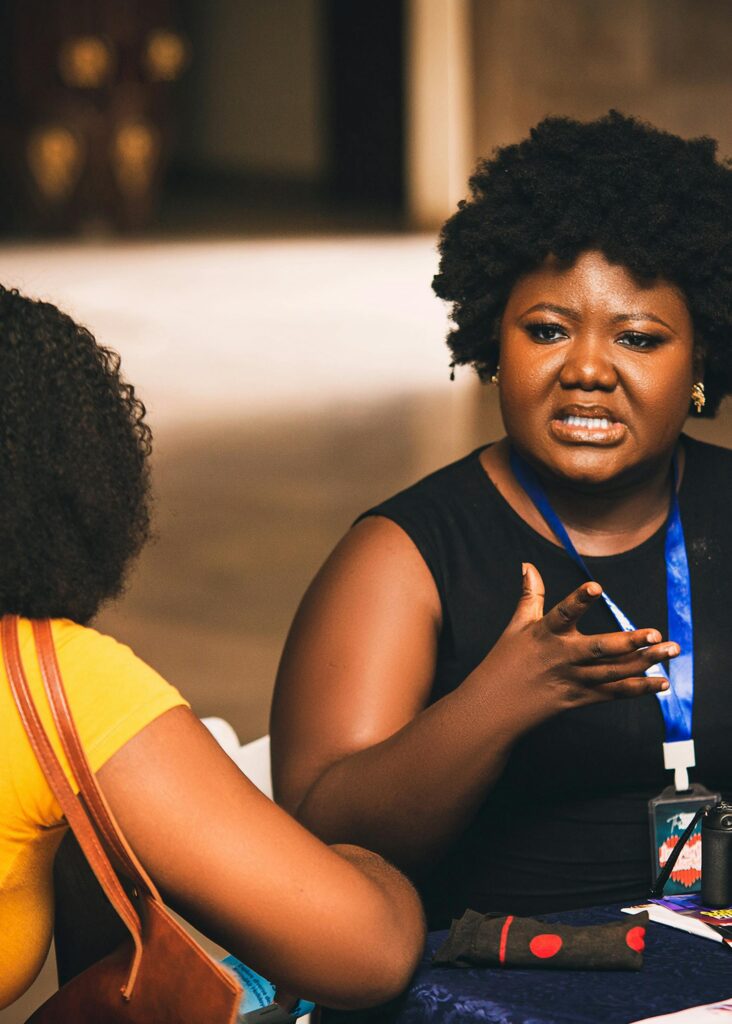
[{"x": 578, "y": 429}]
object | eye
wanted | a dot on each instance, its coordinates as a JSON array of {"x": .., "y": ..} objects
[
  {"x": 546, "y": 333},
  {"x": 638, "y": 340}
]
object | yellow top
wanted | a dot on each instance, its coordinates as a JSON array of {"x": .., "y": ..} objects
[{"x": 112, "y": 695}]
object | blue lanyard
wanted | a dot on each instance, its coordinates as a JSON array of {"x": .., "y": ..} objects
[{"x": 678, "y": 701}]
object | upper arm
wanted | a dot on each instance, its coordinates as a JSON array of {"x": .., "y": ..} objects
[
  {"x": 241, "y": 869},
  {"x": 360, "y": 657}
]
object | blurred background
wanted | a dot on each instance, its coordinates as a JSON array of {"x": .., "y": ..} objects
[{"x": 242, "y": 197}]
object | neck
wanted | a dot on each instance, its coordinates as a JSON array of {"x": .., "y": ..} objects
[
  {"x": 623, "y": 509},
  {"x": 608, "y": 520}
]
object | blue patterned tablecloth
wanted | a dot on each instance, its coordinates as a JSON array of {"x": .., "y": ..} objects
[{"x": 679, "y": 970}]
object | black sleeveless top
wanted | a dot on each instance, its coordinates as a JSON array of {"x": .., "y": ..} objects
[{"x": 567, "y": 823}]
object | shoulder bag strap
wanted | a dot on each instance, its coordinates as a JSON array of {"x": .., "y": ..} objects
[
  {"x": 97, "y": 806},
  {"x": 71, "y": 807}
]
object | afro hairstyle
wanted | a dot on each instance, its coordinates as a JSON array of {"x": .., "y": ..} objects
[
  {"x": 655, "y": 203},
  {"x": 74, "y": 481}
]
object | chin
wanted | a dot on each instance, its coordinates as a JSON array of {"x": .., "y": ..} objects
[{"x": 590, "y": 467}]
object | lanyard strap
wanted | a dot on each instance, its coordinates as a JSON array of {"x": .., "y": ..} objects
[{"x": 678, "y": 701}]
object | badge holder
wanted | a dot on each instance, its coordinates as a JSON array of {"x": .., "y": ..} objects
[{"x": 669, "y": 815}]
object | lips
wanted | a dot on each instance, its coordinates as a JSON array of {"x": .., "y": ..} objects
[{"x": 587, "y": 424}]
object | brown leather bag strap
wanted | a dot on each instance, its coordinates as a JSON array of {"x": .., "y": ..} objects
[
  {"x": 97, "y": 806},
  {"x": 71, "y": 807}
]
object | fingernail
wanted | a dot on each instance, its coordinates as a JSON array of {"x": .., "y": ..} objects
[
  {"x": 672, "y": 650},
  {"x": 653, "y": 638},
  {"x": 594, "y": 589},
  {"x": 665, "y": 684},
  {"x": 524, "y": 568}
]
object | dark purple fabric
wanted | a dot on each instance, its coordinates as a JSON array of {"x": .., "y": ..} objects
[{"x": 679, "y": 970}]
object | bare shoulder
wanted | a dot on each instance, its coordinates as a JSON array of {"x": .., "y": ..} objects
[
  {"x": 379, "y": 553},
  {"x": 359, "y": 660}
]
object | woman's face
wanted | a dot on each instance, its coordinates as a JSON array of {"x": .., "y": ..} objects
[{"x": 596, "y": 370}]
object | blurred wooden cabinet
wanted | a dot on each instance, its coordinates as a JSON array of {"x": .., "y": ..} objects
[{"x": 87, "y": 111}]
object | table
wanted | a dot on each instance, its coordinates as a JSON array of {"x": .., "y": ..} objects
[{"x": 679, "y": 970}]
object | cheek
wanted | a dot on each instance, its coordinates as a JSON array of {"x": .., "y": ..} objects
[
  {"x": 524, "y": 411},
  {"x": 527, "y": 370},
  {"x": 526, "y": 392},
  {"x": 665, "y": 395}
]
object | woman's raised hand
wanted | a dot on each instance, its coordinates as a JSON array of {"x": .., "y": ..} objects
[{"x": 560, "y": 667}]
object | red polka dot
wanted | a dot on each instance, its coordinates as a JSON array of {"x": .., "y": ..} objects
[
  {"x": 636, "y": 938},
  {"x": 545, "y": 946}
]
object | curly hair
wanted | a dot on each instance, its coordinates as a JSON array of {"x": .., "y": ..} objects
[
  {"x": 74, "y": 479},
  {"x": 657, "y": 204}
]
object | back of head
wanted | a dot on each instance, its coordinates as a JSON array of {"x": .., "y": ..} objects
[{"x": 74, "y": 485}]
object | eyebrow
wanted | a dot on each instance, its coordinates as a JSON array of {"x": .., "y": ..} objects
[
  {"x": 618, "y": 318},
  {"x": 571, "y": 314}
]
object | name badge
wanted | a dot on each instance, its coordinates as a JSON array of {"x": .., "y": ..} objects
[{"x": 669, "y": 814}]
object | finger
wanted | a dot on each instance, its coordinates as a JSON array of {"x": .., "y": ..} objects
[
  {"x": 565, "y": 615},
  {"x": 530, "y": 607},
  {"x": 629, "y": 665},
  {"x": 615, "y": 645},
  {"x": 633, "y": 686}
]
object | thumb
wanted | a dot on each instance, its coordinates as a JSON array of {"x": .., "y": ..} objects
[{"x": 531, "y": 603}]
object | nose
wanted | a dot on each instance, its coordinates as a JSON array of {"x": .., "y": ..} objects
[{"x": 588, "y": 364}]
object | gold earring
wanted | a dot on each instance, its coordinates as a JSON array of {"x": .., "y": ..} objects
[
  {"x": 698, "y": 398},
  {"x": 494, "y": 378}
]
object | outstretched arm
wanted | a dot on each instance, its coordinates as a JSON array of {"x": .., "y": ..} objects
[
  {"x": 336, "y": 925},
  {"x": 359, "y": 756}
]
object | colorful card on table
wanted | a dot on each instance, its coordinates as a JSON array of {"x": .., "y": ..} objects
[{"x": 689, "y": 914}]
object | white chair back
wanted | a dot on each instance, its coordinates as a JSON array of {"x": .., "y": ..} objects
[{"x": 252, "y": 758}]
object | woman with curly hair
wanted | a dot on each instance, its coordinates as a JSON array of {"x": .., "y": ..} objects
[
  {"x": 74, "y": 511},
  {"x": 450, "y": 691}
]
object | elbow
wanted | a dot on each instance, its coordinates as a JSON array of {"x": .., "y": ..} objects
[
  {"x": 385, "y": 969},
  {"x": 394, "y": 977},
  {"x": 315, "y": 813},
  {"x": 376, "y": 983},
  {"x": 296, "y": 795}
]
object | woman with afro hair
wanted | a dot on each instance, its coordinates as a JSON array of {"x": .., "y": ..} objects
[
  {"x": 456, "y": 691},
  {"x": 74, "y": 500}
]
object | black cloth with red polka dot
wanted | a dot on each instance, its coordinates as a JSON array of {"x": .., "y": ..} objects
[{"x": 503, "y": 940}]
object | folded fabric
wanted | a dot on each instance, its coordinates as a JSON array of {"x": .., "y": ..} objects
[{"x": 493, "y": 940}]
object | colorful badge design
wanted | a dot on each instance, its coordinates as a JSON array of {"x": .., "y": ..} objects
[
  {"x": 686, "y": 874},
  {"x": 670, "y": 814}
]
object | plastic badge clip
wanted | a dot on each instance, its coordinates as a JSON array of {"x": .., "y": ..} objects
[{"x": 679, "y": 756}]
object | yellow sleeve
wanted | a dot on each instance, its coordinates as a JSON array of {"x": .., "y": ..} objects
[{"x": 112, "y": 694}]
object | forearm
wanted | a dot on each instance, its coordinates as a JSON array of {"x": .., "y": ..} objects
[{"x": 409, "y": 796}]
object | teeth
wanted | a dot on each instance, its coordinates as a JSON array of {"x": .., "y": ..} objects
[{"x": 588, "y": 422}]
